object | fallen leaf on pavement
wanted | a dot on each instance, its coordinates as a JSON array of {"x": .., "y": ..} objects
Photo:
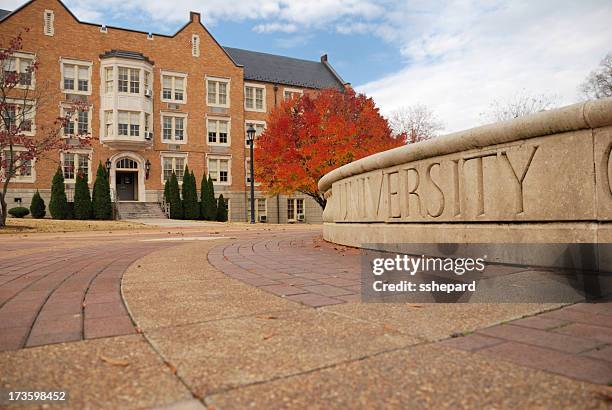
[
  {"x": 114, "y": 362},
  {"x": 268, "y": 336}
]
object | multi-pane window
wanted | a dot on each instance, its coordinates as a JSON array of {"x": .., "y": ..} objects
[
  {"x": 76, "y": 77},
  {"x": 108, "y": 123},
  {"x": 218, "y": 169},
  {"x": 128, "y": 123},
  {"x": 18, "y": 116},
  {"x": 173, "y": 128},
  {"x": 217, "y": 92},
  {"x": 147, "y": 80},
  {"x": 173, "y": 164},
  {"x": 83, "y": 122},
  {"x": 218, "y": 131},
  {"x": 134, "y": 81},
  {"x": 173, "y": 88},
  {"x": 109, "y": 79},
  {"x": 295, "y": 208},
  {"x": 260, "y": 208},
  {"x": 259, "y": 129},
  {"x": 290, "y": 93},
  {"x": 21, "y": 168},
  {"x": 123, "y": 80},
  {"x": 19, "y": 66},
  {"x": 254, "y": 98},
  {"x": 74, "y": 164},
  {"x": 78, "y": 123}
]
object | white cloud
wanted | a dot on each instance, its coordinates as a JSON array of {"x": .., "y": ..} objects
[
  {"x": 467, "y": 56},
  {"x": 272, "y": 27}
]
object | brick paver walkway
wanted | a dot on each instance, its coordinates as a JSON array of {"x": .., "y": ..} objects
[
  {"x": 300, "y": 267},
  {"x": 52, "y": 297}
]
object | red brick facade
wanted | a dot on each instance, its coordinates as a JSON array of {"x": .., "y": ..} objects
[{"x": 87, "y": 44}]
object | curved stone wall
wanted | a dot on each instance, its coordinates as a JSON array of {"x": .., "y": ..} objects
[{"x": 546, "y": 177}]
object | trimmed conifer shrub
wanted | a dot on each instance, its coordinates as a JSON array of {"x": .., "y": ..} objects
[
  {"x": 82, "y": 198},
  {"x": 174, "y": 193},
  {"x": 37, "y": 206},
  {"x": 18, "y": 212},
  {"x": 221, "y": 209},
  {"x": 190, "y": 196},
  {"x": 101, "y": 197},
  {"x": 58, "y": 205},
  {"x": 209, "y": 204}
]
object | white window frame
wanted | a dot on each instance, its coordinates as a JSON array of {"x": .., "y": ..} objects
[
  {"x": 30, "y": 115},
  {"x": 293, "y": 91},
  {"x": 172, "y": 155},
  {"x": 129, "y": 69},
  {"x": 173, "y": 75},
  {"x": 174, "y": 115},
  {"x": 229, "y": 131},
  {"x": 17, "y": 177},
  {"x": 295, "y": 208},
  {"x": 18, "y": 56},
  {"x": 254, "y": 107},
  {"x": 76, "y": 64},
  {"x": 227, "y": 81},
  {"x": 78, "y": 153},
  {"x": 75, "y": 120},
  {"x": 129, "y": 124},
  {"x": 219, "y": 158},
  {"x": 257, "y": 201},
  {"x": 246, "y": 127}
]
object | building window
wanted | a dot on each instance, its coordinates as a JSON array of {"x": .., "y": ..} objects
[
  {"x": 174, "y": 128},
  {"x": 295, "y": 208},
  {"x": 109, "y": 79},
  {"x": 74, "y": 163},
  {"x": 128, "y": 123},
  {"x": 219, "y": 170},
  {"x": 173, "y": 88},
  {"x": 195, "y": 45},
  {"x": 259, "y": 126},
  {"x": 172, "y": 164},
  {"x": 217, "y": 90},
  {"x": 22, "y": 168},
  {"x": 18, "y": 116},
  {"x": 290, "y": 93},
  {"x": 147, "y": 81},
  {"x": 218, "y": 131},
  {"x": 134, "y": 81},
  {"x": 261, "y": 208},
  {"x": 254, "y": 97},
  {"x": 78, "y": 123},
  {"x": 76, "y": 76},
  {"x": 19, "y": 65},
  {"x": 48, "y": 22},
  {"x": 108, "y": 123}
]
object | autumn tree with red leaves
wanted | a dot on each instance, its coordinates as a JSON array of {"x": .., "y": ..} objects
[
  {"x": 308, "y": 136},
  {"x": 22, "y": 139}
]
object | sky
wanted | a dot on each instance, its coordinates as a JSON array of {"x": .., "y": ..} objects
[{"x": 454, "y": 56}]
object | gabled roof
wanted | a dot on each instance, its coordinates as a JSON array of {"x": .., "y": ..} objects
[
  {"x": 4, "y": 13},
  {"x": 285, "y": 70}
]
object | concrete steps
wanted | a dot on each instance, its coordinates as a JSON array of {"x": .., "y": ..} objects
[{"x": 139, "y": 210}]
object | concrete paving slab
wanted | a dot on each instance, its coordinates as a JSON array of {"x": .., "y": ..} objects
[{"x": 421, "y": 377}]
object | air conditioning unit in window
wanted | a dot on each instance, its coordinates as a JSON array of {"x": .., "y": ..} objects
[
  {"x": 263, "y": 218},
  {"x": 148, "y": 135},
  {"x": 148, "y": 93},
  {"x": 300, "y": 217}
]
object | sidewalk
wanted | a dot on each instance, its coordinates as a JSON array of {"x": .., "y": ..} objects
[{"x": 208, "y": 338}]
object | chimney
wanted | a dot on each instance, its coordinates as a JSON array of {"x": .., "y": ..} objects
[
  {"x": 324, "y": 58},
  {"x": 194, "y": 17}
]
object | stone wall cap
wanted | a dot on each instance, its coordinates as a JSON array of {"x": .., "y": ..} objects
[{"x": 584, "y": 115}]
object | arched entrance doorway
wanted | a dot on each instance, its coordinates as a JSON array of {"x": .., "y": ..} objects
[{"x": 127, "y": 177}]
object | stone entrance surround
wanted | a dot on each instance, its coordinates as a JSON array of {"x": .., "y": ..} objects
[{"x": 543, "y": 178}]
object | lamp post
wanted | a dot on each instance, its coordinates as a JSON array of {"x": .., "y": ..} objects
[
  {"x": 251, "y": 139},
  {"x": 147, "y": 169},
  {"x": 108, "y": 166}
]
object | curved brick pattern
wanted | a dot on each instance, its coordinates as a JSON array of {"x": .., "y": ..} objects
[
  {"x": 574, "y": 341},
  {"x": 52, "y": 297},
  {"x": 299, "y": 267}
]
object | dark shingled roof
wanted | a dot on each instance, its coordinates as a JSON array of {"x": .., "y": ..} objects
[
  {"x": 285, "y": 70},
  {"x": 126, "y": 54},
  {"x": 4, "y": 13}
]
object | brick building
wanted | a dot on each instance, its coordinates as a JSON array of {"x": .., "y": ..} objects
[{"x": 157, "y": 102}]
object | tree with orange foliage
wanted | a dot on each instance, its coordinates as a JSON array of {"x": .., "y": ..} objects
[{"x": 308, "y": 136}]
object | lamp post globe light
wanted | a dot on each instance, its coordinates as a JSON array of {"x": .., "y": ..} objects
[
  {"x": 251, "y": 138},
  {"x": 108, "y": 166}
]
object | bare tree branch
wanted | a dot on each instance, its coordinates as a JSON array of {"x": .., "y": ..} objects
[
  {"x": 598, "y": 84},
  {"x": 520, "y": 105},
  {"x": 417, "y": 121}
]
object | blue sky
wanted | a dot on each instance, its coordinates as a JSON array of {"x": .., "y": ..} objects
[{"x": 455, "y": 56}]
